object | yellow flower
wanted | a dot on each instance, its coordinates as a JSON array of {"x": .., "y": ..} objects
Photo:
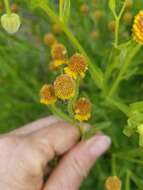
[
  {"x": 77, "y": 66},
  {"x": 59, "y": 54},
  {"x": 98, "y": 14},
  {"x": 49, "y": 39},
  {"x": 129, "y": 4},
  {"x": 95, "y": 34},
  {"x": 112, "y": 25},
  {"x": 113, "y": 183},
  {"x": 127, "y": 17},
  {"x": 82, "y": 109},
  {"x": 47, "y": 95},
  {"x": 138, "y": 28},
  {"x": 64, "y": 87}
]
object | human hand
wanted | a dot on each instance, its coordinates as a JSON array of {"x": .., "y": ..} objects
[{"x": 25, "y": 154}]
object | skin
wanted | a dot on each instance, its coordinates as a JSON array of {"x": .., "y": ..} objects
[{"x": 26, "y": 152}]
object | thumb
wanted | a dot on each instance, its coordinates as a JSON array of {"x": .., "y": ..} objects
[{"x": 77, "y": 163}]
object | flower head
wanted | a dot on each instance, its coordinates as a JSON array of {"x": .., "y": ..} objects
[
  {"x": 138, "y": 28},
  {"x": 127, "y": 17},
  {"x": 47, "y": 95},
  {"x": 49, "y": 39},
  {"x": 11, "y": 23},
  {"x": 59, "y": 54},
  {"x": 82, "y": 109},
  {"x": 112, "y": 25},
  {"x": 113, "y": 183},
  {"x": 129, "y": 4},
  {"x": 77, "y": 66},
  {"x": 64, "y": 87},
  {"x": 84, "y": 9}
]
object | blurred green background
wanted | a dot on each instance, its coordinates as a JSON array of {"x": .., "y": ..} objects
[{"x": 24, "y": 60}]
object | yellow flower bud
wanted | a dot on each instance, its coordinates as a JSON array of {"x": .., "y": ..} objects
[
  {"x": 11, "y": 23},
  {"x": 129, "y": 4},
  {"x": 47, "y": 95},
  {"x": 113, "y": 183},
  {"x": 59, "y": 54},
  {"x": 84, "y": 9},
  {"x": 49, "y": 39},
  {"x": 98, "y": 14},
  {"x": 64, "y": 87},
  {"x": 77, "y": 66},
  {"x": 82, "y": 109},
  {"x": 138, "y": 28}
]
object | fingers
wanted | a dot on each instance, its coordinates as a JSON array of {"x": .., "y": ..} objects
[
  {"x": 34, "y": 126},
  {"x": 76, "y": 164},
  {"x": 45, "y": 143}
]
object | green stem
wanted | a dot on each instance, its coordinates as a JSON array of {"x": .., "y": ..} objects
[
  {"x": 120, "y": 105},
  {"x": 117, "y": 32},
  {"x": 127, "y": 184},
  {"x": 123, "y": 69},
  {"x": 61, "y": 2},
  {"x": 7, "y": 6},
  {"x": 72, "y": 101},
  {"x": 95, "y": 71},
  {"x": 59, "y": 113},
  {"x": 113, "y": 165}
]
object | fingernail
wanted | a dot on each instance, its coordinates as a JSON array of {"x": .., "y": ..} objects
[{"x": 98, "y": 145}]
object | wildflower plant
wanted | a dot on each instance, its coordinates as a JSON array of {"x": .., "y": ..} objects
[{"x": 89, "y": 76}]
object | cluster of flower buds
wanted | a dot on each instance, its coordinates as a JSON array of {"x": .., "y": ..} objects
[
  {"x": 113, "y": 183},
  {"x": 10, "y": 21},
  {"x": 65, "y": 85}
]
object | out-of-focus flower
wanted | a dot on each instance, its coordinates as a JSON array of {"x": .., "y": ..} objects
[
  {"x": 127, "y": 17},
  {"x": 77, "y": 66},
  {"x": 112, "y": 25},
  {"x": 138, "y": 28},
  {"x": 95, "y": 34},
  {"x": 64, "y": 87},
  {"x": 49, "y": 39},
  {"x": 84, "y": 9},
  {"x": 59, "y": 54},
  {"x": 11, "y": 23},
  {"x": 53, "y": 67},
  {"x": 14, "y": 8},
  {"x": 129, "y": 4},
  {"x": 47, "y": 95},
  {"x": 113, "y": 183},
  {"x": 98, "y": 14},
  {"x": 57, "y": 29},
  {"x": 82, "y": 109}
]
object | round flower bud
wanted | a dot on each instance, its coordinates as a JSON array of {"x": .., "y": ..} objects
[
  {"x": 57, "y": 29},
  {"x": 59, "y": 54},
  {"x": 112, "y": 25},
  {"x": 82, "y": 109},
  {"x": 64, "y": 87},
  {"x": 138, "y": 28},
  {"x": 113, "y": 183},
  {"x": 95, "y": 34},
  {"x": 10, "y": 23},
  {"x": 127, "y": 18},
  {"x": 14, "y": 8},
  {"x": 129, "y": 4},
  {"x": 84, "y": 9},
  {"x": 47, "y": 95},
  {"x": 49, "y": 39},
  {"x": 77, "y": 66},
  {"x": 98, "y": 14}
]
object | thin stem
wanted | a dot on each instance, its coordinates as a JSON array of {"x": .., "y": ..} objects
[
  {"x": 117, "y": 32},
  {"x": 127, "y": 184},
  {"x": 61, "y": 2},
  {"x": 7, "y": 6},
  {"x": 122, "y": 10},
  {"x": 113, "y": 165},
  {"x": 72, "y": 101},
  {"x": 59, "y": 113},
  {"x": 123, "y": 69}
]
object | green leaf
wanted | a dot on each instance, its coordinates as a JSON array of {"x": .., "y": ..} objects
[
  {"x": 112, "y": 5},
  {"x": 65, "y": 10}
]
